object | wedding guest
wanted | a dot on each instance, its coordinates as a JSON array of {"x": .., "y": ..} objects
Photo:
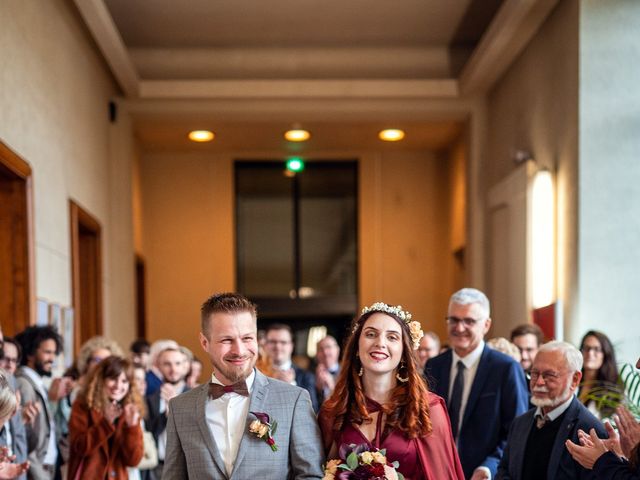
[
  {"x": 380, "y": 399},
  {"x": 599, "y": 373},
  {"x": 527, "y": 337},
  {"x": 193, "y": 377},
  {"x": 11, "y": 355},
  {"x": 104, "y": 429},
  {"x": 501, "y": 344},
  {"x": 484, "y": 389},
  {"x": 40, "y": 346},
  {"x": 171, "y": 363},
  {"x": 328, "y": 367},
  {"x": 429, "y": 347},
  {"x": 154, "y": 377},
  {"x": 143, "y": 471},
  {"x": 139, "y": 352},
  {"x": 279, "y": 348},
  {"x": 8, "y": 408},
  {"x": 534, "y": 447},
  {"x": 91, "y": 353}
]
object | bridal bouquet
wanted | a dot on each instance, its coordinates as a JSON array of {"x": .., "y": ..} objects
[{"x": 361, "y": 464}]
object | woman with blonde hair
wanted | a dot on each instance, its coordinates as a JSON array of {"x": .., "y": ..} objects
[
  {"x": 381, "y": 401},
  {"x": 104, "y": 429},
  {"x": 8, "y": 407}
]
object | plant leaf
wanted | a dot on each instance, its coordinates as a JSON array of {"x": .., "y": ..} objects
[{"x": 352, "y": 461}]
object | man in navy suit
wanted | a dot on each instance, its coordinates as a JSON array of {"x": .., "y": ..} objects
[
  {"x": 279, "y": 348},
  {"x": 484, "y": 389},
  {"x": 536, "y": 444}
]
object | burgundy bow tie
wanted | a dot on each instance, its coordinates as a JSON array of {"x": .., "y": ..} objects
[{"x": 216, "y": 390}]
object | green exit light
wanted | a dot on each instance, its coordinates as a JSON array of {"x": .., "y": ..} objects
[{"x": 295, "y": 165}]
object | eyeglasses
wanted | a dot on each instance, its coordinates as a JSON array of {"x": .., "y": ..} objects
[
  {"x": 548, "y": 376},
  {"x": 278, "y": 342},
  {"x": 455, "y": 321},
  {"x": 587, "y": 349},
  {"x": 10, "y": 360}
]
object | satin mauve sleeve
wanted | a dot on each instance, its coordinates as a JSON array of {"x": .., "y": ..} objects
[
  {"x": 437, "y": 451},
  {"x": 325, "y": 421}
]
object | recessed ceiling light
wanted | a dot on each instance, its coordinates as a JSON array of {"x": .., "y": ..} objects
[
  {"x": 391, "y": 135},
  {"x": 201, "y": 135},
  {"x": 297, "y": 135}
]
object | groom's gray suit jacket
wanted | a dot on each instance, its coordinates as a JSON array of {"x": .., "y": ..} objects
[{"x": 192, "y": 451}]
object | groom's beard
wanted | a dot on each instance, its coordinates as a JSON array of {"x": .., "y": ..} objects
[{"x": 236, "y": 373}]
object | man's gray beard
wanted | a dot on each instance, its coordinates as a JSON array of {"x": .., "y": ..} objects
[{"x": 555, "y": 401}]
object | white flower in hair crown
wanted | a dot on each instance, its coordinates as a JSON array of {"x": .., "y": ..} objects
[{"x": 414, "y": 327}]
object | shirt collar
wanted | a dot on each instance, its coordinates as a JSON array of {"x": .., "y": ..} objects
[
  {"x": 556, "y": 412},
  {"x": 250, "y": 379},
  {"x": 471, "y": 358},
  {"x": 33, "y": 375},
  {"x": 285, "y": 366}
]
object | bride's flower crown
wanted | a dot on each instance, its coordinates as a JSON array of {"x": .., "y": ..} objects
[{"x": 414, "y": 327}]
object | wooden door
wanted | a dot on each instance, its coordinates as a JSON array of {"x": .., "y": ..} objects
[
  {"x": 86, "y": 265},
  {"x": 16, "y": 244}
]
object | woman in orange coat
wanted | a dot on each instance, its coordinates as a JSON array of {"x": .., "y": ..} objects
[{"x": 104, "y": 428}]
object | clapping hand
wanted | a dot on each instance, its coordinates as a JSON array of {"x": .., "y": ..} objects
[
  {"x": 4, "y": 455},
  {"x": 324, "y": 379},
  {"x": 131, "y": 414},
  {"x": 112, "y": 411},
  {"x": 60, "y": 388},
  {"x": 10, "y": 470},
  {"x": 590, "y": 449},
  {"x": 629, "y": 430},
  {"x": 30, "y": 411}
]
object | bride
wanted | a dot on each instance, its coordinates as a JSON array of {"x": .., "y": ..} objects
[{"x": 382, "y": 401}]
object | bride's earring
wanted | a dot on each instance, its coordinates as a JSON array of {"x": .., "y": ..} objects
[
  {"x": 361, "y": 371},
  {"x": 401, "y": 379}
]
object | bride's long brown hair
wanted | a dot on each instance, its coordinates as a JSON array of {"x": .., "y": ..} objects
[{"x": 408, "y": 407}]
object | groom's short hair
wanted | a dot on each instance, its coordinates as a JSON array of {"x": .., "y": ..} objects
[{"x": 225, "y": 303}]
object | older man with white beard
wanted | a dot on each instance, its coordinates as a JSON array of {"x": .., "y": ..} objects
[{"x": 535, "y": 446}]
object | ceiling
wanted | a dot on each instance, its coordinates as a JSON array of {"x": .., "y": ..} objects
[{"x": 248, "y": 69}]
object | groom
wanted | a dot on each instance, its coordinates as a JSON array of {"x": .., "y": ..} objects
[{"x": 208, "y": 434}]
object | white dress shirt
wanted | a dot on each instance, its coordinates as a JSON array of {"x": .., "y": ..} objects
[
  {"x": 226, "y": 419},
  {"x": 556, "y": 412},
  {"x": 471, "y": 362}
]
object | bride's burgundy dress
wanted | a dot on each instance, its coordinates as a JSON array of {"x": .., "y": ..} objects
[
  {"x": 432, "y": 457},
  {"x": 398, "y": 446}
]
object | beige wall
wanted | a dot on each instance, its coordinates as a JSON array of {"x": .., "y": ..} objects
[
  {"x": 534, "y": 107},
  {"x": 609, "y": 173},
  {"x": 189, "y": 246},
  {"x": 54, "y": 114}
]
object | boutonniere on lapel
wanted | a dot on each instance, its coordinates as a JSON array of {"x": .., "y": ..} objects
[{"x": 264, "y": 429}]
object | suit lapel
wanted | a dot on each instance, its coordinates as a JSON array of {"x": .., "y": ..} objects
[
  {"x": 201, "y": 416},
  {"x": 518, "y": 443},
  {"x": 482, "y": 372},
  {"x": 559, "y": 448},
  {"x": 446, "y": 377},
  {"x": 256, "y": 404}
]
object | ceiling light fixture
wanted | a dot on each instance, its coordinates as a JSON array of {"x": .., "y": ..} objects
[
  {"x": 201, "y": 136},
  {"x": 297, "y": 135},
  {"x": 391, "y": 135}
]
